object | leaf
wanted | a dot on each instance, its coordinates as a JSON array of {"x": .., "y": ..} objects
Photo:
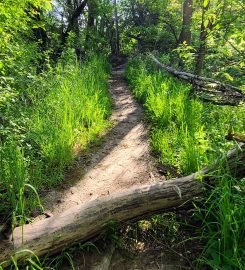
[
  {"x": 206, "y": 23},
  {"x": 205, "y": 3},
  {"x": 228, "y": 76}
]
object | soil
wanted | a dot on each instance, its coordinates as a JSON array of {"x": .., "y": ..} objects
[{"x": 116, "y": 259}]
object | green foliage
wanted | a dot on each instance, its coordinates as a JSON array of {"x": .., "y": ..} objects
[
  {"x": 73, "y": 113},
  {"x": 185, "y": 133},
  {"x": 17, "y": 21},
  {"x": 50, "y": 106},
  {"x": 191, "y": 124},
  {"x": 223, "y": 222},
  {"x": 186, "y": 54},
  {"x": 68, "y": 109},
  {"x": 154, "y": 24}
]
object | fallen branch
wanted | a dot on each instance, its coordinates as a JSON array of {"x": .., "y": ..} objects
[
  {"x": 222, "y": 94},
  {"x": 85, "y": 221}
]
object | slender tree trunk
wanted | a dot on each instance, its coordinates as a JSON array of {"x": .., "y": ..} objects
[
  {"x": 203, "y": 41},
  {"x": 200, "y": 57},
  {"x": 90, "y": 23},
  {"x": 185, "y": 35},
  {"x": 117, "y": 42},
  {"x": 91, "y": 14},
  {"x": 72, "y": 20}
]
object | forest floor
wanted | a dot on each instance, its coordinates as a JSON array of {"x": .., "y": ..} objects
[{"x": 121, "y": 161}]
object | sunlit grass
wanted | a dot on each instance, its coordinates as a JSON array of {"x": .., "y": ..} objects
[
  {"x": 68, "y": 111},
  {"x": 74, "y": 112},
  {"x": 223, "y": 224},
  {"x": 185, "y": 132}
]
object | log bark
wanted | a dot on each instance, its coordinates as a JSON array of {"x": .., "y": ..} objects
[
  {"x": 207, "y": 88},
  {"x": 85, "y": 221}
]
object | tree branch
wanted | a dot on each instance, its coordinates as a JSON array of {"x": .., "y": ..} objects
[{"x": 78, "y": 11}]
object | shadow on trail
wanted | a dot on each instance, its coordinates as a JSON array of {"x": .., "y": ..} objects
[{"x": 127, "y": 114}]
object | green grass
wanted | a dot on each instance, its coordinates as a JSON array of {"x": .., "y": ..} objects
[
  {"x": 64, "y": 110},
  {"x": 189, "y": 135},
  {"x": 185, "y": 132},
  {"x": 223, "y": 224}
]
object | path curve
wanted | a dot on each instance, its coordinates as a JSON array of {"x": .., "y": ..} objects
[{"x": 121, "y": 162}]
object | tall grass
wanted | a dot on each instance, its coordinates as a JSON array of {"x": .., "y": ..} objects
[
  {"x": 185, "y": 132},
  {"x": 224, "y": 230},
  {"x": 189, "y": 135},
  {"x": 14, "y": 180},
  {"x": 68, "y": 109},
  {"x": 74, "y": 113}
]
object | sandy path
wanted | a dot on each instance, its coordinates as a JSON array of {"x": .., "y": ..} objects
[{"x": 121, "y": 162}]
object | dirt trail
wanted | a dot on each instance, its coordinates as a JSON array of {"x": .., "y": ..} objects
[{"x": 121, "y": 162}]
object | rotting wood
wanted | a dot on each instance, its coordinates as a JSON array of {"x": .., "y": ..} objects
[
  {"x": 239, "y": 137},
  {"x": 85, "y": 221},
  {"x": 207, "y": 89}
]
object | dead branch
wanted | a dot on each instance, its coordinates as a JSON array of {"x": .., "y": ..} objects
[{"x": 207, "y": 89}]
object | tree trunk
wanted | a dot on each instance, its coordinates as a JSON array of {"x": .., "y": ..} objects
[
  {"x": 91, "y": 14},
  {"x": 202, "y": 40},
  {"x": 90, "y": 23},
  {"x": 85, "y": 221},
  {"x": 201, "y": 53},
  {"x": 117, "y": 41},
  {"x": 73, "y": 21},
  {"x": 185, "y": 35}
]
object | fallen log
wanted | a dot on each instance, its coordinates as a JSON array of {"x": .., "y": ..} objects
[
  {"x": 85, "y": 221},
  {"x": 207, "y": 89}
]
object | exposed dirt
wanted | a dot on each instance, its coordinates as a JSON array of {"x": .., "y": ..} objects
[
  {"x": 122, "y": 161},
  {"x": 116, "y": 259}
]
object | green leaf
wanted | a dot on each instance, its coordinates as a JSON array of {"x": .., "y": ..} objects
[
  {"x": 228, "y": 76},
  {"x": 206, "y": 23},
  {"x": 205, "y": 3}
]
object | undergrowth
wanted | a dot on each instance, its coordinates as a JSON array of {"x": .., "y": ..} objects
[
  {"x": 41, "y": 128},
  {"x": 185, "y": 132},
  {"x": 187, "y": 135}
]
